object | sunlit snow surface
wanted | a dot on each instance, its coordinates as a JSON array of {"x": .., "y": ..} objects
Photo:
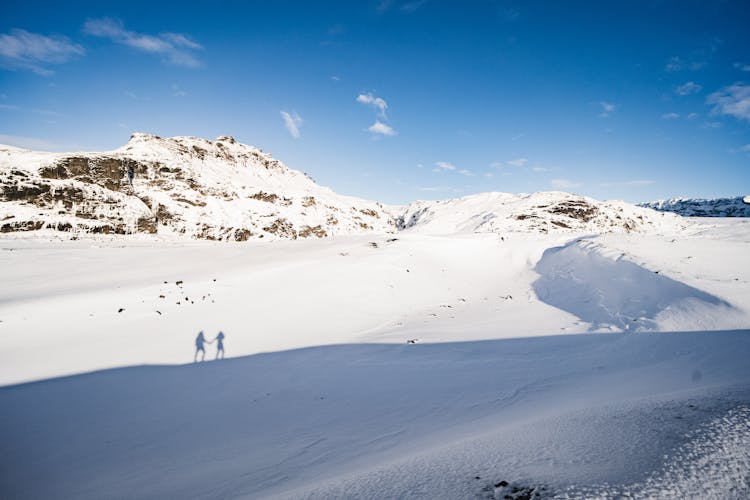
[{"x": 543, "y": 360}]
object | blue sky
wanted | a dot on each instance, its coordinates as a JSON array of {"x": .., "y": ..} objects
[{"x": 401, "y": 100}]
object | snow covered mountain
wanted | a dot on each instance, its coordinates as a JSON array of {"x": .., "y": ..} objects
[
  {"x": 217, "y": 190},
  {"x": 697, "y": 207},
  {"x": 224, "y": 190},
  {"x": 543, "y": 212}
]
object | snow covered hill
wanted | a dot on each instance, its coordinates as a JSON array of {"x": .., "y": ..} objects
[
  {"x": 224, "y": 190},
  {"x": 543, "y": 212},
  {"x": 697, "y": 207},
  {"x": 217, "y": 190}
]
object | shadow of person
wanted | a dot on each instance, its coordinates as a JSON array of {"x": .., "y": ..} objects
[
  {"x": 220, "y": 345},
  {"x": 200, "y": 346}
]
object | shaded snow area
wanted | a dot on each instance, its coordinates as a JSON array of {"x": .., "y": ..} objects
[
  {"x": 443, "y": 360},
  {"x": 393, "y": 421}
]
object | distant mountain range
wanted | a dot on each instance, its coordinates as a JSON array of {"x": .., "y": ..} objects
[
  {"x": 697, "y": 207},
  {"x": 225, "y": 190}
]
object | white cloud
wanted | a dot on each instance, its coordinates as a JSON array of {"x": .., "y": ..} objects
[
  {"x": 292, "y": 122},
  {"x": 733, "y": 100},
  {"x": 175, "y": 48},
  {"x": 519, "y": 162},
  {"x": 670, "y": 116},
  {"x": 381, "y": 128},
  {"x": 540, "y": 169},
  {"x": 336, "y": 78},
  {"x": 443, "y": 166},
  {"x": 607, "y": 109},
  {"x": 711, "y": 125},
  {"x": 690, "y": 116},
  {"x": 178, "y": 92},
  {"x": 467, "y": 173},
  {"x": 688, "y": 88},
  {"x": 376, "y": 102},
  {"x": 489, "y": 175},
  {"x": 745, "y": 148},
  {"x": 564, "y": 184},
  {"x": 20, "y": 49},
  {"x": 742, "y": 66}
]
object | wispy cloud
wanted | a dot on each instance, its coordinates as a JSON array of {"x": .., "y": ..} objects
[
  {"x": 376, "y": 102},
  {"x": 174, "y": 48},
  {"x": 742, "y": 66},
  {"x": 564, "y": 184},
  {"x": 670, "y": 116},
  {"x": 518, "y": 162},
  {"x": 413, "y": 5},
  {"x": 688, "y": 88},
  {"x": 733, "y": 100},
  {"x": 444, "y": 166},
  {"x": 467, "y": 173},
  {"x": 539, "y": 169},
  {"x": 607, "y": 109},
  {"x": 381, "y": 128},
  {"x": 178, "y": 92},
  {"x": 633, "y": 183},
  {"x": 292, "y": 122},
  {"x": 27, "y": 142},
  {"x": 711, "y": 125},
  {"x": 696, "y": 60},
  {"x": 408, "y": 6},
  {"x": 21, "y": 49}
]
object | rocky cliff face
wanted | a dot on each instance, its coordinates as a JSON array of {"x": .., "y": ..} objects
[
  {"x": 717, "y": 207},
  {"x": 218, "y": 190}
]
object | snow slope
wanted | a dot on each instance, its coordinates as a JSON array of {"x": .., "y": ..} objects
[
  {"x": 188, "y": 186},
  {"x": 333, "y": 402},
  {"x": 699, "y": 207},
  {"x": 572, "y": 413}
]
